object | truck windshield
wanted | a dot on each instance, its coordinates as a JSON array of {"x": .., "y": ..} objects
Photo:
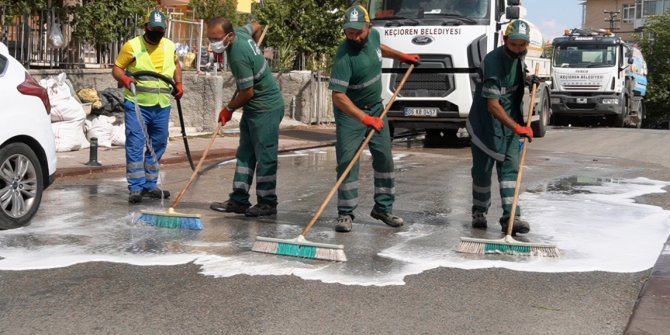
[
  {"x": 464, "y": 10},
  {"x": 584, "y": 55}
]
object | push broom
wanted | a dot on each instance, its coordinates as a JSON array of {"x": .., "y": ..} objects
[
  {"x": 300, "y": 246},
  {"x": 171, "y": 218},
  {"x": 508, "y": 245}
]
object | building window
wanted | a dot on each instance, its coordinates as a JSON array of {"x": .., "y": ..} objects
[
  {"x": 650, "y": 7},
  {"x": 638, "y": 9},
  {"x": 628, "y": 13}
]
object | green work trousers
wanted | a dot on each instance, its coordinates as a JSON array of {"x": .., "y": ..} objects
[
  {"x": 350, "y": 135},
  {"x": 507, "y": 170},
  {"x": 259, "y": 141}
]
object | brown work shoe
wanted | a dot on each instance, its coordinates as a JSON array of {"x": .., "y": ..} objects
[
  {"x": 229, "y": 206},
  {"x": 388, "y": 218},
  {"x": 344, "y": 223},
  {"x": 520, "y": 226}
]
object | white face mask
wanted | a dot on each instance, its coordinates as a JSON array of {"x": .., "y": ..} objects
[{"x": 219, "y": 46}]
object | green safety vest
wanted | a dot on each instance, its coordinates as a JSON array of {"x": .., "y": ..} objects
[{"x": 151, "y": 91}]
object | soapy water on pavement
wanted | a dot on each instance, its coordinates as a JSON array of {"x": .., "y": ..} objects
[{"x": 596, "y": 224}]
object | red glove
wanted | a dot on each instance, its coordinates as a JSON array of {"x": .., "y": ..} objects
[
  {"x": 224, "y": 115},
  {"x": 410, "y": 59},
  {"x": 373, "y": 122},
  {"x": 178, "y": 91},
  {"x": 126, "y": 81},
  {"x": 522, "y": 131}
]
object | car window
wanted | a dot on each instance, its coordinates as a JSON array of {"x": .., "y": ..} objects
[{"x": 3, "y": 65}]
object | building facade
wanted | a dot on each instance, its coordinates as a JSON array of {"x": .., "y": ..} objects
[{"x": 625, "y": 16}]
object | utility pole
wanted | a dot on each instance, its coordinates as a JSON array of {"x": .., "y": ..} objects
[{"x": 612, "y": 19}]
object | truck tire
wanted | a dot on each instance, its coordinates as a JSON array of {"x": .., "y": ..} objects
[
  {"x": 619, "y": 120},
  {"x": 540, "y": 126}
]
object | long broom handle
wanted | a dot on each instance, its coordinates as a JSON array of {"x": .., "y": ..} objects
[
  {"x": 181, "y": 194},
  {"x": 531, "y": 109},
  {"x": 353, "y": 161}
]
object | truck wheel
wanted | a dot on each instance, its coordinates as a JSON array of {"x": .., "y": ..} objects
[
  {"x": 619, "y": 120},
  {"x": 540, "y": 126}
]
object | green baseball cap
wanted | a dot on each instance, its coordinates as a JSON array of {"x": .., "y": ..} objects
[
  {"x": 356, "y": 17},
  {"x": 156, "y": 19},
  {"x": 518, "y": 30}
]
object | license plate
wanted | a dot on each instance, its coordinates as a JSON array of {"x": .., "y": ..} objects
[{"x": 417, "y": 111}]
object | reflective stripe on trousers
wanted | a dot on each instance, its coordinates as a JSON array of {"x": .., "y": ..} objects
[
  {"x": 350, "y": 135},
  {"x": 257, "y": 152},
  {"x": 507, "y": 170},
  {"x": 141, "y": 169}
]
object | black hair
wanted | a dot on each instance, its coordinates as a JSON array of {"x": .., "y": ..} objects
[{"x": 223, "y": 22}]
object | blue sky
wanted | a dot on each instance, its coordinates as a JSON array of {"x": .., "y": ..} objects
[{"x": 552, "y": 16}]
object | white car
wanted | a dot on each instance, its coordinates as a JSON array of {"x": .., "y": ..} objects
[{"x": 27, "y": 146}]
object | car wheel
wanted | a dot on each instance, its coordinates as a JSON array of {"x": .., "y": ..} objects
[{"x": 21, "y": 185}]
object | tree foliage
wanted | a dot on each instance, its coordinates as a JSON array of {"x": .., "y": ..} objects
[
  {"x": 209, "y": 9},
  {"x": 655, "y": 45},
  {"x": 23, "y": 7},
  {"x": 100, "y": 22},
  {"x": 312, "y": 28}
]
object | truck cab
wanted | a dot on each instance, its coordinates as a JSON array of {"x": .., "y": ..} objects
[
  {"x": 452, "y": 37},
  {"x": 595, "y": 77}
]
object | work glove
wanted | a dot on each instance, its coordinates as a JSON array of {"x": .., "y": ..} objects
[
  {"x": 413, "y": 59},
  {"x": 532, "y": 80},
  {"x": 522, "y": 131},
  {"x": 178, "y": 91},
  {"x": 126, "y": 81},
  {"x": 225, "y": 115},
  {"x": 373, "y": 122}
]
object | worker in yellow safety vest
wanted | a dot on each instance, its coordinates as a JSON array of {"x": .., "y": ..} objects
[{"x": 148, "y": 52}]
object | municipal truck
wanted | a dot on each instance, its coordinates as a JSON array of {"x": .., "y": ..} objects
[
  {"x": 452, "y": 38},
  {"x": 597, "y": 77}
]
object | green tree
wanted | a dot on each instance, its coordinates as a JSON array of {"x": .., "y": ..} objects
[
  {"x": 209, "y": 9},
  {"x": 23, "y": 7},
  {"x": 311, "y": 28},
  {"x": 98, "y": 22},
  {"x": 654, "y": 42}
]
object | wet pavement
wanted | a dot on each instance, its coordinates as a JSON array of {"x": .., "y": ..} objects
[{"x": 580, "y": 293}]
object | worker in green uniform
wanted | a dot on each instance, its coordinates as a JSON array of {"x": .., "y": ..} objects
[
  {"x": 356, "y": 85},
  {"x": 495, "y": 124},
  {"x": 263, "y": 109}
]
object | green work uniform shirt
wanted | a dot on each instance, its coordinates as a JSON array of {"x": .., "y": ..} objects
[
  {"x": 357, "y": 72},
  {"x": 251, "y": 70},
  {"x": 502, "y": 79}
]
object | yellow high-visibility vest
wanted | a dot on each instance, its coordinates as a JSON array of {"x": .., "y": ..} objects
[{"x": 151, "y": 91}]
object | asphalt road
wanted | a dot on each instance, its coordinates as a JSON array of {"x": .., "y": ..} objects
[{"x": 113, "y": 297}]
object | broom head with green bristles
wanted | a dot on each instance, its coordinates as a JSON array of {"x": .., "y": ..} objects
[
  {"x": 171, "y": 219},
  {"x": 300, "y": 247},
  {"x": 506, "y": 245}
]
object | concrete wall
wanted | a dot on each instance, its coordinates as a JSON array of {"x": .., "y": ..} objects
[{"x": 205, "y": 94}]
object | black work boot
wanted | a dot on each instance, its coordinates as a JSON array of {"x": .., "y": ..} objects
[
  {"x": 388, "y": 218},
  {"x": 261, "y": 210},
  {"x": 229, "y": 206},
  {"x": 479, "y": 220},
  {"x": 520, "y": 226},
  {"x": 156, "y": 193},
  {"x": 135, "y": 197},
  {"x": 344, "y": 223}
]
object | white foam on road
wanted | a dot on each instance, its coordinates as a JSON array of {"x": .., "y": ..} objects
[{"x": 602, "y": 229}]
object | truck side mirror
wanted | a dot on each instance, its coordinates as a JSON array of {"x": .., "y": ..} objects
[
  {"x": 513, "y": 2},
  {"x": 631, "y": 61},
  {"x": 512, "y": 12}
]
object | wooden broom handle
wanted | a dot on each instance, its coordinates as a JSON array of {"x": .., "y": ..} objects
[
  {"x": 510, "y": 221},
  {"x": 209, "y": 145},
  {"x": 353, "y": 161}
]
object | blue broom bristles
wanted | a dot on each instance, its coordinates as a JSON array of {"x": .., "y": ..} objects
[
  {"x": 175, "y": 222},
  {"x": 289, "y": 249}
]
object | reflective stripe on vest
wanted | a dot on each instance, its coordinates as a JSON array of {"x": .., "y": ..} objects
[{"x": 151, "y": 91}]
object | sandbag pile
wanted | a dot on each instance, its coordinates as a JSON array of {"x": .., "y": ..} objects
[{"x": 67, "y": 115}]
